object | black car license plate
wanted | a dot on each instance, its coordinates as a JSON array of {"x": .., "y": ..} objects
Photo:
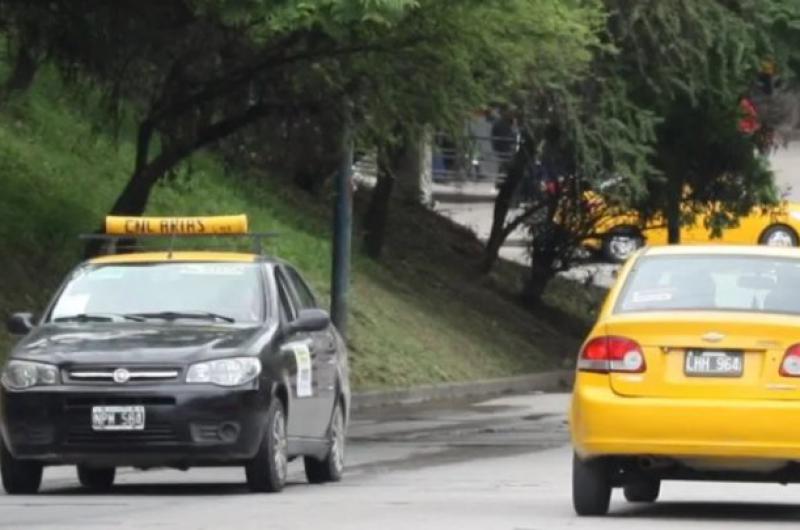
[
  {"x": 713, "y": 363},
  {"x": 129, "y": 418}
]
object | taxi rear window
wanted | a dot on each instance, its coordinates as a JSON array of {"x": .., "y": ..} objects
[
  {"x": 715, "y": 283},
  {"x": 233, "y": 290}
]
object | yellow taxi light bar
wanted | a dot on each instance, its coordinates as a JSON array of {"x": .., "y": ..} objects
[{"x": 209, "y": 225}]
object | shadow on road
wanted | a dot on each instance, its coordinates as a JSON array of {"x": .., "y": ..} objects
[
  {"x": 196, "y": 489},
  {"x": 717, "y": 511}
]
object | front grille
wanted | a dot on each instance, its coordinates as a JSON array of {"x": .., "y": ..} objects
[
  {"x": 155, "y": 432},
  {"x": 133, "y": 375}
]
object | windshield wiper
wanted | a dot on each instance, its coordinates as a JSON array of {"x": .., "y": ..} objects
[
  {"x": 175, "y": 315},
  {"x": 98, "y": 317}
]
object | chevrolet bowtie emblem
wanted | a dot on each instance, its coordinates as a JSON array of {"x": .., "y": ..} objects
[{"x": 713, "y": 336}]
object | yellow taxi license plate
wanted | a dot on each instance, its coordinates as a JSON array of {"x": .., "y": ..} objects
[{"x": 712, "y": 363}]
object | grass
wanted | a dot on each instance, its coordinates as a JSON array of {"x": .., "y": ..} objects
[{"x": 420, "y": 315}]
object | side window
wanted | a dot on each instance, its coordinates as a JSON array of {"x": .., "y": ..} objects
[
  {"x": 287, "y": 305},
  {"x": 304, "y": 294}
]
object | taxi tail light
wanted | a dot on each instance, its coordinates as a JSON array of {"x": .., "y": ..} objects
[
  {"x": 613, "y": 354},
  {"x": 790, "y": 366}
]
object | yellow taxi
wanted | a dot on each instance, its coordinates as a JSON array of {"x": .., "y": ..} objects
[
  {"x": 692, "y": 372},
  {"x": 619, "y": 234}
]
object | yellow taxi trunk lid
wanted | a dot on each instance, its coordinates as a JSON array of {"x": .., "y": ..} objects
[{"x": 759, "y": 340}]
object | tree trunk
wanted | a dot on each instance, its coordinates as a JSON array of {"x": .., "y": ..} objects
[
  {"x": 673, "y": 209},
  {"x": 541, "y": 272},
  {"x": 377, "y": 215},
  {"x": 25, "y": 68},
  {"x": 545, "y": 249},
  {"x": 502, "y": 204},
  {"x": 134, "y": 197},
  {"x": 411, "y": 163}
]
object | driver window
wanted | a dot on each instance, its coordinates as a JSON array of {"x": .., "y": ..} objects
[
  {"x": 287, "y": 307},
  {"x": 306, "y": 298}
]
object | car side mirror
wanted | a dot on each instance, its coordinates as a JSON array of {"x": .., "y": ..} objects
[
  {"x": 20, "y": 323},
  {"x": 311, "y": 320}
]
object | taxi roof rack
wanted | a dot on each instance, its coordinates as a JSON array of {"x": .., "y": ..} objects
[{"x": 128, "y": 242}]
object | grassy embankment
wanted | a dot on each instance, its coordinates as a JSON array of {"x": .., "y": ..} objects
[{"x": 420, "y": 316}]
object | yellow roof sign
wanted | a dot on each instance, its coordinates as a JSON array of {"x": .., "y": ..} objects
[{"x": 133, "y": 226}]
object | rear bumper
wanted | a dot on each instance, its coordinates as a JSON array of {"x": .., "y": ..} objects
[
  {"x": 604, "y": 423},
  {"x": 185, "y": 425}
]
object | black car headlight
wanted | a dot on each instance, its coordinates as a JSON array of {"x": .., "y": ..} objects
[
  {"x": 234, "y": 371},
  {"x": 19, "y": 375}
]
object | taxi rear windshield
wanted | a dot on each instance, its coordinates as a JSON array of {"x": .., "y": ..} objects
[
  {"x": 228, "y": 292},
  {"x": 715, "y": 283}
]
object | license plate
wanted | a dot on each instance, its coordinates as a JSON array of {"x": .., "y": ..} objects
[
  {"x": 118, "y": 418},
  {"x": 713, "y": 363}
]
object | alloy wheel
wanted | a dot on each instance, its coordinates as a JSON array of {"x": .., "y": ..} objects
[{"x": 280, "y": 446}]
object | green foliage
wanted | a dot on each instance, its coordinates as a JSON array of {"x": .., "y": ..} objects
[
  {"x": 690, "y": 62},
  {"x": 659, "y": 105},
  {"x": 59, "y": 176}
]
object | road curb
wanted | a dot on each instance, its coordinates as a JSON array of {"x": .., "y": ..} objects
[{"x": 558, "y": 380}]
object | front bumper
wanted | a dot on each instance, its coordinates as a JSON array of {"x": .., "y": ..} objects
[
  {"x": 604, "y": 423},
  {"x": 185, "y": 425}
]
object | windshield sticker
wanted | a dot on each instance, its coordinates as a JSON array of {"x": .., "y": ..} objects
[
  {"x": 72, "y": 304},
  {"x": 302, "y": 356},
  {"x": 641, "y": 297}
]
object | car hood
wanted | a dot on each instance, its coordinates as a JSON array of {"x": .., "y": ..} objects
[{"x": 135, "y": 343}]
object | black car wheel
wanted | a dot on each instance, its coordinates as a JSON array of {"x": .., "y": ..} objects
[
  {"x": 20, "y": 477},
  {"x": 96, "y": 478},
  {"x": 645, "y": 490},
  {"x": 779, "y": 236},
  {"x": 330, "y": 468},
  {"x": 619, "y": 245},
  {"x": 266, "y": 472},
  {"x": 591, "y": 488}
]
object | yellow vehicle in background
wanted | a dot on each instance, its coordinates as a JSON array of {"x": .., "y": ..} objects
[{"x": 618, "y": 235}]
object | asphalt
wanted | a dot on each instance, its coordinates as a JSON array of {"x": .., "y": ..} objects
[{"x": 499, "y": 464}]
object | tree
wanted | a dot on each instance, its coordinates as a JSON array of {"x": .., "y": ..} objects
[
  {"x": 468, "y": 53},
  {"x": 199, "y": 71},
  {"x": 659, "y": 108},
  {"x": 694, "y": 85}
]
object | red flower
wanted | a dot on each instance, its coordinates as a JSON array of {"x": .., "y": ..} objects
[{"x": 749, "y": 124}]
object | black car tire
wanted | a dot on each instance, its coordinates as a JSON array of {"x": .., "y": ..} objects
[
  {"x": 20, "y": 477},
  {"x": 786, "y": 235},
  {"x": 645, "y": 490},
  {"x": 591, "y": 488},
  {"x": 266, "y": 472},
  {"x": 96, "y": 478},
  {"x": 330, "y": 468},
  {"x": 619, "y": 245}
]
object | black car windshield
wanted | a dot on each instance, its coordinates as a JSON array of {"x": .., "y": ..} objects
[
  {"x": 168, "y": 291},
  {"x": 762, "y": 284}
]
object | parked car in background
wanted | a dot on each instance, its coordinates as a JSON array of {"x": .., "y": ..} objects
[{"x": 619, "y": 234}]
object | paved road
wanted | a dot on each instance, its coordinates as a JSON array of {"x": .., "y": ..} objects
[
  {"x": 786, "y": 164},
  {"x": 501, "y": 464}
]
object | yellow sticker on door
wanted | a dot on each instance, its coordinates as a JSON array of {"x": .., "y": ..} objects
[{"x": 302, "y": 356}]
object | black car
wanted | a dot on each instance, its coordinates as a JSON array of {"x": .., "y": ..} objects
[{"x": 175, "y": 360}]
